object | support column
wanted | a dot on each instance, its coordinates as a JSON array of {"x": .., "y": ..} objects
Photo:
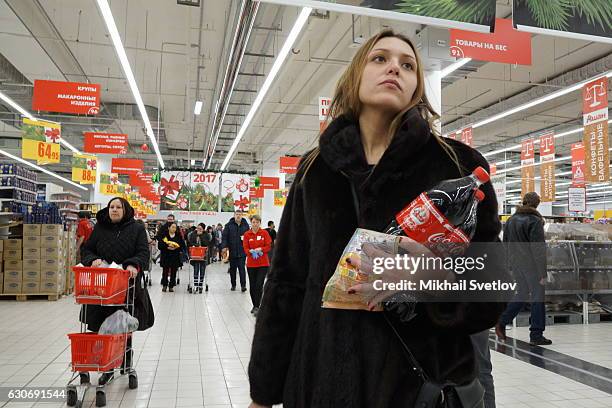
[{"x": 433, "y": 90}]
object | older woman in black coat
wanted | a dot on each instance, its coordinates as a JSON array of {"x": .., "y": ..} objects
[{"x": 118, "y": 238}]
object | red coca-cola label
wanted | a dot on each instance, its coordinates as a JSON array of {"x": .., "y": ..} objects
[{"x": 422, "y": 221}]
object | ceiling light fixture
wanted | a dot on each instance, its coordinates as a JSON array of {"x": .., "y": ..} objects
[
  {"x": 197, "y": 108},
  {"x": 454, "y": 66},
  {"x": 280, "y": 59},
  {"x": 127, "y": 70}
]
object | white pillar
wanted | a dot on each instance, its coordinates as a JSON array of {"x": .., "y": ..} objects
[{"x": 433, "y": 90}]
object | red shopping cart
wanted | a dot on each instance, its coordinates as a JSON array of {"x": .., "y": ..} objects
[
  {"x": 196, "y": 253},
  {"x": 100, "y": 352}
]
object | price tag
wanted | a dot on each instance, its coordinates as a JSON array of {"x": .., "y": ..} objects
[{"x": 42, "y": 152}]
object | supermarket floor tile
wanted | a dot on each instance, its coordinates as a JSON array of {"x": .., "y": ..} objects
[{"x": 197, "y": 353}]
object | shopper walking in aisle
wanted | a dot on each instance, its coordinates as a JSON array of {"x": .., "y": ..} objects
[
  {"x": 170, "y": 247},
  {"x": 257, "y": 243},
  {"x": 118, "y": 238},
  {"x": 382, "y": 141},
  {"x": 84, "y": 230},
  {"x": 272, "y": 232},
  {"x": 212, "y": 246},
  {"x": 219, "y": 236},
  {"x": 161, "y": 232},
  {"x": 232, "y": 242},
  {"x": 524, "y": 236},
  {"x": 199, "y": 238}
]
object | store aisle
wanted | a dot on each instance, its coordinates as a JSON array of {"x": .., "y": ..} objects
[{"x": 197, "y": 353}]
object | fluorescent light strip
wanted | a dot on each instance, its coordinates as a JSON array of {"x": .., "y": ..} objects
[
  {"x": 454, "y": 66},
  {"x": 280, "y": 59},
  {"x": 503, "y": 162},
  {"x": 27, "y": 163},
  {"x": 197, "y": 109},
  {"x": 28, "y": 115},
  {"x": 127, "y": 70}
]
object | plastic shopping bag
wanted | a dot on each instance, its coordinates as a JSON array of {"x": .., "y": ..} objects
[
  {"x": 119, "y": 322},
  {"x": 345, "y": 276}
]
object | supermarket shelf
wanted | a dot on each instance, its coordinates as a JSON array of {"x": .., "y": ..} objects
[
  {"x": 74, "y": 210},
  {"x": 64, "y": 201},
  {"x": 82, "y": 203},
  {"x": 8, "y": 213},
  {"x": 19, "y": 177},
  {"x": 69, "y": 193},
  {"x": 18, "y": 201},
  {"x": 16, "y": 188}
]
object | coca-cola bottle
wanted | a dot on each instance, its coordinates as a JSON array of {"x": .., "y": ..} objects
[{"x": 438, "y": 217}]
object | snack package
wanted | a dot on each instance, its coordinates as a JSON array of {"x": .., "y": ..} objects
[{"x": 336, "y": 294}]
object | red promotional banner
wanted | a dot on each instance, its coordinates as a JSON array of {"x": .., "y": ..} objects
[
  {"x": 547, "y": 167},
  {"x": 527, "y": 170},
  {"x": 66, "y": 97},
  {"x": 256, "y": 192},
  {"x": 288, "y": 164},
  {"x": 109, "y": 143},
  {"x": 505, "y": 45},
  {"x": 466, "y": 136},
  {"x": 269, "y": 183},
  {"x": 126, "y": 166},
  {"x": 578, "y": 164},
  {"x": 141, "y": 179},
  {"x": 595, "y": 136}
]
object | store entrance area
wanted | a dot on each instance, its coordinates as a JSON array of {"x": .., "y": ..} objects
[{"x": 197, "y": 354}]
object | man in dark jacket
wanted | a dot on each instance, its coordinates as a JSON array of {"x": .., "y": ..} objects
[
  {"x": 524, "y": 235},
  {"x": 232, "y": 241},
  {"x": 272, "y": 233}
]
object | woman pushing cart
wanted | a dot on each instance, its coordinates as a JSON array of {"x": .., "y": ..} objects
[
  {"x": 116, "y": 238},
  {"x": 198, "y": 242}
]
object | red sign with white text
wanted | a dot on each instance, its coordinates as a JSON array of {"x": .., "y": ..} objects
[
  {"x": 505, "y": 45},
  {"x": 66, "y": 97},
  {"x": 126, "y": 166},
  {"x": 466, "y": 136},
  {"x": 108, "y": 143},
  {"x": 595, "y": 96},
  {"x": 256, "y": 192},
  {"x": 269, "y": 183},
  {"x": 288, "y": 164},
  {"x": 547, "y": 167},
  {"x": 578, "y": 178}
]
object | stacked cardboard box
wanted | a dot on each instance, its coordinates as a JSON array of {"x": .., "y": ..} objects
[
  {"x": 31, "y": 259},
  {"x": 1, "y": 266},
  {"x": 13, "y": 266},
  {"x": 70, "y": 257},
  {"x": 52, "y": 258}
]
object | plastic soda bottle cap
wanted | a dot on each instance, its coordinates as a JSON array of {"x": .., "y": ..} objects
[
  {"x": 481, "y": 174},
  {"x": 479, "y": 195}
]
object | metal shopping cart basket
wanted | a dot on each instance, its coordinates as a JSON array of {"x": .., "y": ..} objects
[
  {"x": 99, "y": 352},
  {"x": 196, "y": 254}
]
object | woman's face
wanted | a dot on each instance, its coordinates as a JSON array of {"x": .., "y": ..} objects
[
  {"x": 255, "y": 223},
  {"x": 199, "y": 230},
  {"x": 115, "y": 210},
  {"x": 172, "y": 228},
  {"x": 390, "y": 76}
]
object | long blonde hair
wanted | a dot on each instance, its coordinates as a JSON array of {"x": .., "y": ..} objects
[{"x": 346, "y": 97}]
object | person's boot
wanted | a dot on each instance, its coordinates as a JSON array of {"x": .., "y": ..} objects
[
  {"x": 171, "y": 290},
  {"x": 243, "y": 289},
  {"x": 106, "y": 377},
  {"x": 165, "y": 288},
  {"x": 500, "y": 331},
  {"x": 540, "y": 341}
]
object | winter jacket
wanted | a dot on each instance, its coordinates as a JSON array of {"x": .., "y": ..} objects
[
  {"x": 171, "y": 258},
  {"x": 252, "y": 240},
  {"x": 232, "y": 237},
  {"x": 305, "y": 356},
  {"x": 272, "y": 234},
  {"x": 126, "y": 244},
  {"x": 524, "y": 235}
]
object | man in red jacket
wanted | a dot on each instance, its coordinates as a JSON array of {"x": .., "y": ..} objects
[{"x": 257, "y": 244}]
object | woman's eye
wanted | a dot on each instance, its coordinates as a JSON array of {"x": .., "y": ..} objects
[
  {"x": 378, "y": 58},
  {"x": 408, "y": 66}
]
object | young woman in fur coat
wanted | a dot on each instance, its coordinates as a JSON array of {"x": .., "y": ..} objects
[{"x": 381, "y": 139}]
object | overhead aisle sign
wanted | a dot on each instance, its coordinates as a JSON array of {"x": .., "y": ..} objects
[
  {"x": 84, "y": 168},
  {"x": 527, "y": 169},
  {"x": 595, "y": 138},
  {"x": 40, "y": 141},
  {"x": 66, "y": 97},
  {"x": 547, "y": 167},
  {"x": 107, "y": 143}
]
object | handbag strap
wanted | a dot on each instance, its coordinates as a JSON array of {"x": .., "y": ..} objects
[{"x": 411, "y": 358}]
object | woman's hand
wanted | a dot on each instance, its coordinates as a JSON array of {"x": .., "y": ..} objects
[
  {"x": 171, "y": 248},
  {"x": 255, "y": 405},
  {"x": 133, "y": 271},
  {"x": 365, "y": 263},
  {"x": 96, "y": 263}
]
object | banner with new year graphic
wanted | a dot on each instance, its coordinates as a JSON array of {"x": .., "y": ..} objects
[
  {"x": 175, "y": 190},
  {"x": 40, "y": 141},
  {"x": 84, "y": 168},
  {"x": 204, "y": 192},
  {"x": 235, "y": 192}
]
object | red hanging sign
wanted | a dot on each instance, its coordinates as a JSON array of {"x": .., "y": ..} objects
[
  {"x": 256, "y": 192},
  {"x": 269, "y": 183},
  {"x": 466, "y": 136},
  {"x": 595, "y": 136},
  {"x": 108, "y": 143},
  {"x": 126, "y": 166},
  {"x": 289, "y": 164},
  {"x": 547, "y": 167},
  {"x": 66, "y": 97},
  {"x": 506, "y": 45},
  {"x": 578, "y": 178},
  {"x": 527, "y": 169}
]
